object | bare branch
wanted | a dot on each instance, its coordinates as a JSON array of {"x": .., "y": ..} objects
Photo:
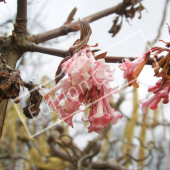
[
  {"x": 65, "y": 29},
  {"x": 56, "y": 52},
  {"x": 21, "y": 18},
  {"x": 58, "y": 152},
  {"x": 95, "y": 165},
  {"x": 119, "y": 59},
  {"x": 63, "y": 53},
  {"x": 22, "y": 9}
]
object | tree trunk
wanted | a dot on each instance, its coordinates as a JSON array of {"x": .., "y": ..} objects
[{"x": 11, "y": 57}]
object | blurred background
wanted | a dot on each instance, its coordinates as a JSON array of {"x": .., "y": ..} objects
[{"x": 137, "y": 141}]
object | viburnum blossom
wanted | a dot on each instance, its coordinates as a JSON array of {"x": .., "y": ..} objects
[
  {"x": 133, "y": 69},
  {"x": 162, "y": 70},
  {"x": 87, "y": 84},
  {"x": 160, "y": 93},
  {"x": 100, "y": 115},
  {"x": 162, "y": 88}
]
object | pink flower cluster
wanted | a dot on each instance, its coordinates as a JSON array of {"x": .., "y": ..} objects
[
  {"x": 133, "y": 69},
  {"x": 162, "y": 88},
  {"x": 160, "y": 93},
  {"x": 88, "y": 85}
]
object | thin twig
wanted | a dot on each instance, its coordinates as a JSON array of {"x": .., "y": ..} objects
[{"x": 161, "y": 24}]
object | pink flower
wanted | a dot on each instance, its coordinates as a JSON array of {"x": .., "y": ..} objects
[
  {"x": 87, "y": 84},
  {"x": 160, "y": 93},
  {"x": 133, "y": 69},
  {"x": 68, "y": 110},
  {"x": 101, "y": 114},
  {"x": 162, "y": 88}
]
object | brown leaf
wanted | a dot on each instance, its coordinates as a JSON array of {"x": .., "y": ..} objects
[
  {"x": 130, "y": 13},
  {"x": 127, "y": 10},
  {"x": 140, "y": 9},
  {"x": 33, "y": 102},
  {"x": 116, "y": 27},
  {"x": 10, "y": 85},
  {"x": 84, "y": 37},
  {"x": 101, "y": 56}
]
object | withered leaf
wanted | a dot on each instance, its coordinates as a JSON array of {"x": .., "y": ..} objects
[
  {"x": 159, "y": 64},
  {"x": 130, "y": 13},
  {"x": 127, "y": 10},
  {"x": 101, "y": 56},
  {"x": 33, "y": 102},
  {"x": 140, "y": 9},
  {"x": 116, "y": 27},
  {"x": 84, "y": 37},
  {"x": 10, "y": 85}
]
